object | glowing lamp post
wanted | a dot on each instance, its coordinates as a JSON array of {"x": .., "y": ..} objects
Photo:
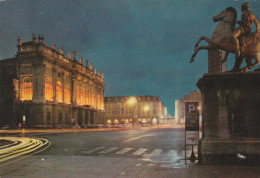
[
  {"x": 24, "y": 119},
  {"x": 131, "y": 102},
  {"x": 146, "y": 108}
]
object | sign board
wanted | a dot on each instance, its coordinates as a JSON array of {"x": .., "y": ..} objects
[
  {"x": 192, "y": 137},
  {"x": 191, "y": 116},
  {"x": 191, "y": 127}
]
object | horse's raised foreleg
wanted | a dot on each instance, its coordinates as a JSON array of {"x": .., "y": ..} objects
[
  {"x": 198, "y": 49},
  {"x": 200, "y": 39}
]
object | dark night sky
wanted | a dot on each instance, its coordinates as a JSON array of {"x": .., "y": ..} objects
[{"x": 142, "y": 46}]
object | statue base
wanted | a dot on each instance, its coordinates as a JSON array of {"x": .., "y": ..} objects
[{"x": 230, "y": 118}]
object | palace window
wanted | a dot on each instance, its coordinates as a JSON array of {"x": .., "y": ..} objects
[
  {"x": 99, "y": 103},
  {"x": 59, "y": 92},
  {"x": 26, "y": 89},
  {"x": 82, "y": 95},
  {"x": 87, "y": 95},
  {"x": 67, "y": 94},
  {"x": 78, "y": 94},
  {"x": 48, "y": 89}
]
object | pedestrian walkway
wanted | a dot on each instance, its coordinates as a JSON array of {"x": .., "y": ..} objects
[{"x": 141, "y": 152}]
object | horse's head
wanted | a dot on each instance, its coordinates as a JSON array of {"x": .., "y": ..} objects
[{"x": 228, "y": 15}]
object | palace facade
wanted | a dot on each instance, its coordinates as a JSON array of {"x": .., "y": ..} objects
[
  {"x": 135, "y": 110},
  {"x": 48, "y": 89}
]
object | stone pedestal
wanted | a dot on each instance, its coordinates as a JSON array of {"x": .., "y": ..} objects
[{"x": 231, "y": 118}]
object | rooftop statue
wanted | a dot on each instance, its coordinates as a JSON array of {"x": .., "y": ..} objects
[
  {"x": 61, "y": 50},
  {"x": 53, "y": 45},
  {"x": 74, "y": 55},
  {"x": 86, "y": 62},
  {"x": 240, "y": 41},
  {"x": 92, "y": 66}
]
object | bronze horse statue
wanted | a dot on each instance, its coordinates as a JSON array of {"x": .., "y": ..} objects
[{"x": 221, "y": 39}]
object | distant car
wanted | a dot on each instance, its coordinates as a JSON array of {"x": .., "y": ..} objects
[
  {"x": 100, "y": 125},
  {"x": 107, "y": 126}
]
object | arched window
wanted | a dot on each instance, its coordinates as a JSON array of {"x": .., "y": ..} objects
[
  {"x": 82, "y": 94},
  {"x": 59, "y": 92},
  {"x": 26, "y": 89},
  {"x": 86, "y": 95},
  {"x": 99, "y": 103},
  {"x": 78, "y": 95},
  {"x": 48, "y": 89},
  {"x": 67, "y": 94}
]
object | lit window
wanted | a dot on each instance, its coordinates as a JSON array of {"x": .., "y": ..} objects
[
  {"x": 67, "y": 94},
  {"x": 99, "y": 103},
  {"x": 27, "y": 89},
  {"x": 59, "y": 91},
  {"x": 48, "y": 90}
]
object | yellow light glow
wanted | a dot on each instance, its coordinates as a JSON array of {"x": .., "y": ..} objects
[
  {"x": 132, "y": 100},
  {"x": 146, "y": 108},
  {"x": 115, "y": 121},
  {"x": 199, "y": 108},
  {"x": 48, "y": 90},
  {"x": 26, "y": 89},
  {"x": 59, "y": 91},
  {"x": 67, "y": 94}
]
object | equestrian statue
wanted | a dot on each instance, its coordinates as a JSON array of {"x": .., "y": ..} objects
[{"x": 240, "y": 41}]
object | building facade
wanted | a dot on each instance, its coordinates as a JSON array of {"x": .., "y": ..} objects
[
  {"x": 194, "y": 96},
  {"x": 49, "y": 89},
  {"x": 134, "y": 110}
]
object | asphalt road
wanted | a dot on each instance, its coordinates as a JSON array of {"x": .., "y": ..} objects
[
  {"x": 160, "y": 145},
  {"x": 150, "y": 152}
]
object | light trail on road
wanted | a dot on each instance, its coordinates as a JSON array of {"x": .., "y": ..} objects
[{"x": 21, "y": 146}]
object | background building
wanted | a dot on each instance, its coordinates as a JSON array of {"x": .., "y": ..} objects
[
  {"x": 135, "y": 110},
  {"x": 194, "y": 96},
  {"x": 48, "y": 88}
]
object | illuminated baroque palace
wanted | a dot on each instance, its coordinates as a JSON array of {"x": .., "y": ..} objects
[{"x": 49, "y": 89}]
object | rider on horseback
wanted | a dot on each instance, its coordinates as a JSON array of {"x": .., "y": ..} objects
[{"x": 245, "y": 25}]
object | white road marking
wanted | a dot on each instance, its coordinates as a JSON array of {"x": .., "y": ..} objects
[
  {"x": 123, "y": 151},
  {"x": 172, "y": 153},
  {"x": 156, "y": 152},
  {"x": 136, "y": 138},
  {"x": 140, "y": 151},
  {"x": 109, "y": 150},
  {"x": 93, "y": 150}
]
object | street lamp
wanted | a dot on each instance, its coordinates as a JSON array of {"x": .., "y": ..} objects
[
  {"x": 24, "y": 119},
  {"x": 146, "y": 108},
  {"x": 131, "y": 102}
]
